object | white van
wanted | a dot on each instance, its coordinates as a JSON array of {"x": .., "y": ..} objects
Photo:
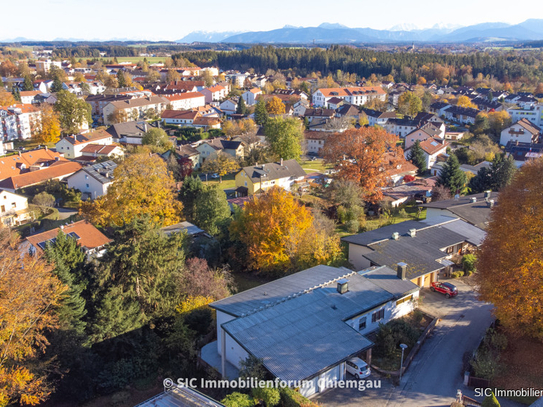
[{"x": 358, "y": 368}]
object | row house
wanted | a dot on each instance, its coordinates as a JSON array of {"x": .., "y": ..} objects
[
  {"x": 462, "y": 115},
  {"x": 355, "y": 96},
  {"x": 135, "y": 108},
  {"x": 186, "y": 101}
]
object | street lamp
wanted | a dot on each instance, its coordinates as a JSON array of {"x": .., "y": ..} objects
[{"x": 404, "y": 347}]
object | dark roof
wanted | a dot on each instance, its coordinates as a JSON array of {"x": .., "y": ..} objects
[
  {"x": 464, "y": 111},
  {"x": 420, "y": 252},
  {"x": 348, "y": 110},
  {"x": 438, "y": 105},
  {"x": 128, "y": 129},
  {"x": 102, "y": 172},
  {"x": 384, "y": 233},
  {"x": 271, "y": 171},
  {"x": 462, "y": 200},
  {"x": 319, "y": 112}
]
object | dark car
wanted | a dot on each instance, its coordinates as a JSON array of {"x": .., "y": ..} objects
[{"x": 445, "y": 288}]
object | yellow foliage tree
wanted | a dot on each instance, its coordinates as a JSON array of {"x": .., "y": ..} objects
[
  {"x": 6, "y": 98},
  {"x": 192, "y": 303},
  {"x": 280, "y": 235},
  {"x": 29, "y": 294},
  {"x": 49, "y": 131},
  {"x": 142, "y": 186},
  {"x": 275, "y": 106},
  {"x": 223, "y": 164},
  {"x": 464, "y": 101}
]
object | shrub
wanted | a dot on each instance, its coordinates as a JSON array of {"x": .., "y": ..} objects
[
  {"x": 457, "y": 274},
  {"x": 291, "y": 398},
  {"x": 352, "y": 226},
  {"x": 270, "y": 396},
  {"x": 485, "y": 364},
  {"x": 44, "y": 200},
  {"x": 468, "y": 263},
  {"x": 238, "y": 400},
  {"x": 490, "y": 401},
  {"x": 403, "y": 213},
  {"x": 392, "y": 334}
]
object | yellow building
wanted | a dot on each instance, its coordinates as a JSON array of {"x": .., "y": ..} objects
[{"x": 258, "y": 178}]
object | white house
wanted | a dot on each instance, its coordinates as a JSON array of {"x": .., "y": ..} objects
[
  {"x": 13, "y": 209},
  {"x": 355, "y": 96},
  {"x": 533, "y": 114},
  {"x": 307, "y": 325},
  {"x": 251, "y": 95},
  {"x": 229, "y": 106},
  {"x": 179, "y": 117},
  {"x": 93, "y": 180},
  {"x": 46, "y": 65},
  {"x": 432, "y": 148},
  {"x": 28, "y": 97},
  {"x": 523, "y": 131},
  {"x": 425, "y": 132},
  {"x": 186, "y": 101},
  {"x": 314, "y": 141},
  {"x": 72, "y": 146},
  {"x": 214, "y": 93},
  {"x": 135, "y": 108}
]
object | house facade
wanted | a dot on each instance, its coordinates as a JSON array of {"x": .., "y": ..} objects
[
  {"x": 251, "y": 95},
  {"x": 93, "y": 180},
  {"x": 523, "y": 131},
  {"x": 257, "y": 178},
  {"x": 13, "y": 209},
  {"x": 186, "y": 101},
  {"x": 355, "y": 96},
  {"x": 135, "y": 108},
  {"x": 72, "y": 146}
]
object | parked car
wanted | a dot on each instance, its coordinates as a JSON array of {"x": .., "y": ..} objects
[
  {"x": 445, "y": 288},
  {"x": 313, "y": 158},
  {"x": 215, "y": 175},
  {"x": 358, "y": 368}
]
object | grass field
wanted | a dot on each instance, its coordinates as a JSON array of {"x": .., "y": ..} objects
[{"x": 135, "y": 60}]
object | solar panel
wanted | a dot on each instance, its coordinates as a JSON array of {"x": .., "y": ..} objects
[
  {"x": 42, "y": 245},
  {"x": 74, "y": 235}
]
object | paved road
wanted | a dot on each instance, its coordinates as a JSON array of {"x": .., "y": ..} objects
[
  {"x": 436, "y": 372},
  {"x": 65, "y": 213}
]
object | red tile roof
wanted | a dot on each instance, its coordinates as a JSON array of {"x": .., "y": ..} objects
[
  {"x": 61, "y": 169},
  {"x": 11, "y": 165},
  {"x": 89, "y": 236},
  {"x": 181, "y": 96}
]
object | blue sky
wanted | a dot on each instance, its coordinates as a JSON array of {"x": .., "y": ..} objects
[{"x": 171, "y": 19}]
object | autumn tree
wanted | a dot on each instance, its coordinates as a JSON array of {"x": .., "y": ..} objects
[
  {"x": 49, "y": 130},
  {"x": 417, "y": 157},
  {"x": 510, "y": 264},
  {"x": 364, "y": 156},
  {"x": 118, "y": 116},
  {"x": 498, "y": 121},
  {"x": 30, "y": 293},
  {"x": 440, "y": 193},
  {"x": 172, "y": 76},
  {"x": 142, "y": 187},
  {"x": 409, "y": 104},
  {"x": 275, "y": 106},
  {"x": 451, "y": 176},
  {"x": 6, "y": 98},
  {"x": 222, "y": 164},
  {"x": 207, "y": 77},
  {"x": 464, "y": 101},
  {"x": 73, "y": 112},
  {"x": 285, "y": 137},
  {"x": 279, "y": 234}
]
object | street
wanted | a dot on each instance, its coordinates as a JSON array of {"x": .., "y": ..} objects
[{"x": 436, "y": 372}]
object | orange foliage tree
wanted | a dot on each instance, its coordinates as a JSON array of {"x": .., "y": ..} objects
[
  {"x": 29, "y": 292},
  {"x": 280, "y": 235},
  {"x": 6, "y": 98},
  {"x": 364, "y": 156},
  {"x": 275, "y": 106},
  {"x": 142, "y": 186},
  {"x": 510, "y": 264}
]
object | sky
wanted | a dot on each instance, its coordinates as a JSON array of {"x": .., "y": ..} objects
[{"x": 172, "y": 20}]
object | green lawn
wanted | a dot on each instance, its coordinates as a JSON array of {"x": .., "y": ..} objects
[
  {"x": 314, "y": 166},
  {"x": 228, "y": 181}
]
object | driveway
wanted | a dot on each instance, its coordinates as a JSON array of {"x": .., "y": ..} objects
[
  {"x": 65, "y": 213},
  {"x": 436, "y": 373}
]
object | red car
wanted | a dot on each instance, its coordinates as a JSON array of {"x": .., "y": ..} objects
[{"x": 445, "y": 288}]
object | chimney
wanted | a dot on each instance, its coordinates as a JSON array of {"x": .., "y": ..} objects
[
  {"x": 490, "y": 203},
  {"x": 19, "y": 153},
  {"x": 395, "y": 236},
  {"x": 342, "y": 286},
  {"x": 281, "y": 162},
  {"x": 487, "y": 194},
  {"x": 45, "y": 148},
  {"x": 473, "y": 199},
  {"x": 412, "y": 232},
  {"x": 402, "y": 270}
]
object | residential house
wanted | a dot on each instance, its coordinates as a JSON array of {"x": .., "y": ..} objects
[
  {"x": 314, "y": 141},
  {"x": 72, "y": 146},
  {"x": 523, "y": 152},
  {"x": 89, "y": 239},
  {"x": 473, "y": 209},
  {"x": 29, "y": 97},
  {"x": 533, "y": 113},
  {"x": 179, "y": 117},
  {"x": 428, "y": 130},
  {"x": 432, "y": 148},
  {"x": 206, "y": 123},
  {"x": 424, "y": 247},
  {"x": 189, "y": 152},
  {"x": 399, "y": 168},
  {"x": 251, "y": 95},
  {"x": 335, "y": 306},
  {"x": 523, "y": 131},
  {"x": 335, "y": 103},
  {"x": 439, "y": 108},
  {"x": 258, "y": 178},
  {"x": 18, "y": 121},
  {"x": 13, "y": 209},
  {"x": 46, "y": 65},
  {"x": 214, "y": 93},
  {"x": 299, "y": 108},
  {"x": 186, "y": 101},
  {"x": 59, "y": 170},
  {"x": 98, "y": 102},
  {"x": 401, "y": 127},
  {"x": 92, "y": 152},
  {"x": 129, "y": 132},
  {"x": 377, "y": 118},
  {"x": 229, "y": 106},
  {"x": 208, "y": 149},
  {"x": 135, "y": 108},
  {"x": 347, "y": 110},
  {"x": 27, "y": 161},
  {"x": 93, "y": 180},
  {"x": 355, "y": 96},
  {"x": 323, "y": 114},
  {"x": 462, "y": 115}
]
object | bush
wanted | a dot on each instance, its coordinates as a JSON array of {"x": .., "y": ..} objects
[
  {"x": 403, "y": 213},
  {"x": 490, "y": 401},
  {"x": 457, "y": 274},
  {"x": 468, "y": 263},
  {"x": 291, "y": 398},
  {"x": 270, "y": 396},
  {"x": 238, "y": 400},
  {"x": 44, "y": 200},
  {"x": 485, "y": 364},
  {"x": 352, "y": 226},
  {"x": 390, "y": 336}
]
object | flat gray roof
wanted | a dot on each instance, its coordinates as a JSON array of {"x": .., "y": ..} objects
[
  {"x": 270, "y": 293},
  {"x": 472, "y": 234}
]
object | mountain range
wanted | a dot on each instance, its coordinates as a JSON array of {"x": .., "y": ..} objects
[{"x": 528, "y": 30}]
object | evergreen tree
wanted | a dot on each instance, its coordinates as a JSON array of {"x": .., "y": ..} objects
[
  {"x": 261, "y": 114},
  {"x": 211, "y": 209},
  {"x": 482, "y": 181},
  {"x": 16, "y": 94},
  {"x": 451, "y": 176},
  {"x": 503, "y": 170},
  {"x": 417, "y": 157},
  {"x": 69, "y": 261},
  {"x": 190, "y": 190},
  {"x": 28, "y": 85},
  {"x": 57, "y": 85},
  {"x": 121, "y": 79},
  {"x": 242, "y": 107}
]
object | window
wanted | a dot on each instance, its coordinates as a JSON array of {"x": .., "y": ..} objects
[
  {"x": 88, "y": 186},
  {"x": 13, "y": 204},
  {"x": 405, "y": 299},
  {"x": 362, "y": 324},
  {"x": 378, "y": 315}
]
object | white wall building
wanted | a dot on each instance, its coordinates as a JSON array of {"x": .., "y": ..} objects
[{"x": 355, "y": 96}]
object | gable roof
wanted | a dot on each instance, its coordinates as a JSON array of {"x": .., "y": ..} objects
[
  {"x": 57, "y": 170},
  {"x": 432, "y": 145},
  {"x": 11, "y": 165},
  {"x": 138, "y": 102},
  {"x": 132, "y": 128},
  {"x": 183, "y": 96},
  {"x": 86, "y": 138},
  {"x": 179, "y": 114},
  {"x": 528, "y": 126},
  {"x": 99, "y": 149},
  {"x": 88, "y": 237},
  {"x": 272, "y": 171},
  {"x": 101, "y": 172}
]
